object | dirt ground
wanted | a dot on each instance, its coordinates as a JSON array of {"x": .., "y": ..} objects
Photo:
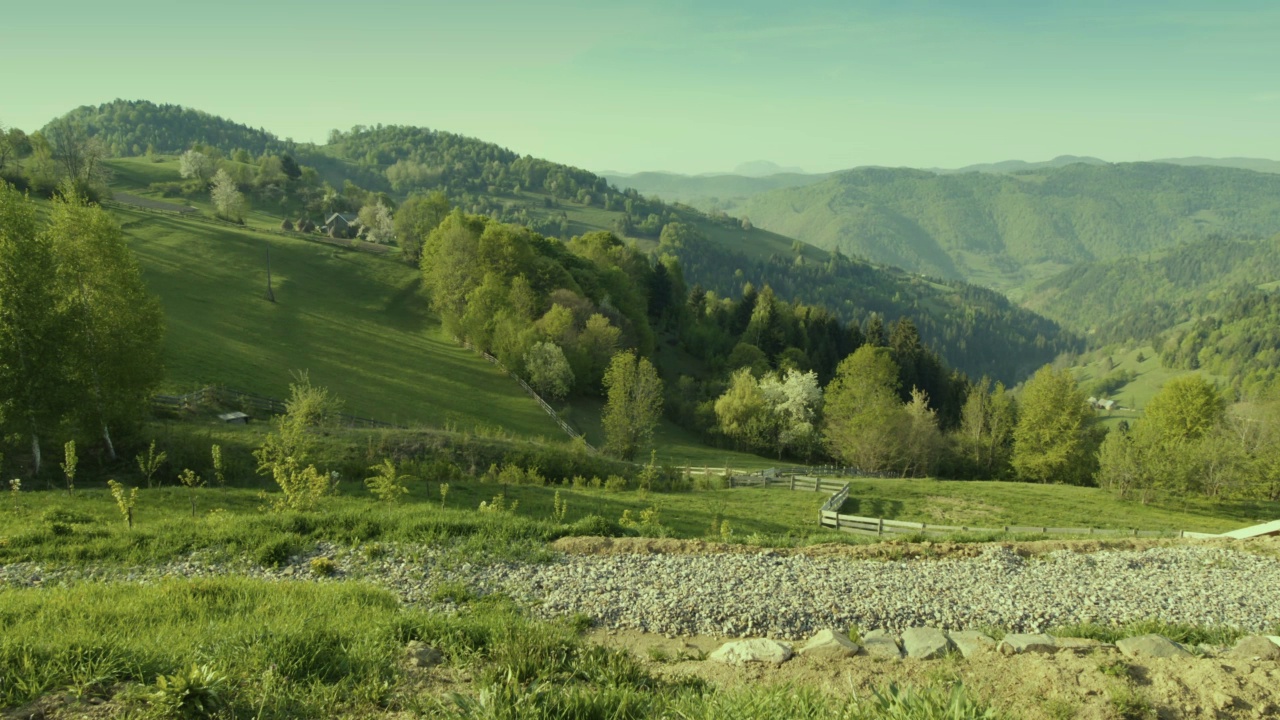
[{"x": 1052, "y": 687}]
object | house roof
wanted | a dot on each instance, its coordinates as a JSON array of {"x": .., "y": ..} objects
[{"x": 348, "y": 218}]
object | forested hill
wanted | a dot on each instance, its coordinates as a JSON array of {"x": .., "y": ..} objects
[
  {"x": 973, "y": 330},
  {"x": 134, "y": 127},
  {"x": 1007, "y": 230},
  {"x": 1137, "y": 298}
]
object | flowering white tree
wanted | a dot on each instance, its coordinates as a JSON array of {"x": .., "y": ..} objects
[
  {"x": 793, "y": 400},
  {"x": 378, "y": 225},
  {"x": 226, "y": 197},
  {"x": 195, "y": 164},
  {"x": 549, "y": 371}
]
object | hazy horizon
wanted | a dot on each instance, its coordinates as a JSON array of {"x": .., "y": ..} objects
[{"x": 697, "y": 90}]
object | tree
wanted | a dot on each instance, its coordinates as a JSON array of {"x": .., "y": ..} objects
[
  {"x": 227, "y": 198},
  {"x": 6, "y": 147},
  {"x": 375, "y": 219},
  {"x": 1054, "y": 440},
  {"x": 289, "y": 167},
  {"x": 112, "y": 354},
  {"x": 80, "y": 157},
  {"x": 865, "y": 423},
  {"x": 1187, "y": 408},
  {"x": 32, "y": 333},
  {"x": 923, "y": 441},
  {"x": 986, "y": 428},
  {"x": 286, "y": 453},
  {"x": 634, "y": 404},
  {"x": 742, "y": 411},
  {"x": 549, "y": 371},
  {"x": 793, "y": 400},
  {"x": 416, "y": 219},
  {"x": 195, "y": 165}
]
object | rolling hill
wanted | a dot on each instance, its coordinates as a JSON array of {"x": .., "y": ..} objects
[
  {"x": 1009, "y": 230},
  {"x": 974, "y": 330}
]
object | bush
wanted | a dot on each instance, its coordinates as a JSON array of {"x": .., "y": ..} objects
[
  {"x": 594, "y": 526},
  {"x": 615, "y": 483},
  {"x": 323, "y": 567},
  {"x": 276, "y": 552}
]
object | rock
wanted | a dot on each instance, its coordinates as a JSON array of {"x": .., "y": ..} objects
[
  {"x": 418, "y": 654},
  {"x": 830, "y": 644},
  {"x": 1151, "y": 646},
  {"x": 757, "y": 650},
  {"x": 1019, "y": 643},
  {"x": 1255, "y": 647},
  {"x": 925, "y": 643},
  {"x": 879, "y": 643},
  {"x": 971, "y": 642}
]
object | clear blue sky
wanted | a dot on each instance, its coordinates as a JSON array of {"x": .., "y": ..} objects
[{"x": 685, "y": 86}]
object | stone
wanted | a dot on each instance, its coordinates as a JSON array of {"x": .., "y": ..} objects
[
  {"x": 418, "y": 654},
  {"x": 830, "y": 644},
  {"x": 972, "y": 642},
  {"x": 1019, "y": 643},
  {"x": 756, "y": 650},
  {"x": 925, "y": 643},
  {"x": 1151, "y": 646},
  {"x": 1255, "y": 647},
  {"x": 879, "y": 643}
]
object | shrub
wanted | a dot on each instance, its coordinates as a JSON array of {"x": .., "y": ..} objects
[
  {"x": 276, "y": 552},
  {"x": 615, "y": 483},
  {"x": 323, "y": 567}
]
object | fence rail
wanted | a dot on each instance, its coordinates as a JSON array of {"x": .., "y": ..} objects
[
  {"x": 215, "y": 394},
  {"x": 829, "y": 515},
  {"x": 566, "y": 427}
]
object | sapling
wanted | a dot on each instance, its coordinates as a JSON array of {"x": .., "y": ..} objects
[
  {"x": 559, "y": 510},
  {"x": 69, "y": 466},
  {"x": 190, "y": 480},
  {"x": 126, "y": 503},
  {"x": 219, "y": 470},
  {"x": 387, "y": 484},
  {"x": 444, "y": 493},
  {"x": 15, "y": 489},
  {"x": 150, "y": 463}
]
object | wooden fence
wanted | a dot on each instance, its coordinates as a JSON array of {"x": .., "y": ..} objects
[
  {"x": 216, "y": 395},
  {"x": 829, "y": 514},
  {"x": 566, "y": 427}
]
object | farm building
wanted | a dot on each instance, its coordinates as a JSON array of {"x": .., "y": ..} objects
[{"x": 341, "y": 225}]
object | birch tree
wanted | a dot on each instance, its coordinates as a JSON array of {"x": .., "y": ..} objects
[
  {"x": 194, "y": 164},
  {"x": 114, "y": 327},
  {"x": 30, "y": 331}
]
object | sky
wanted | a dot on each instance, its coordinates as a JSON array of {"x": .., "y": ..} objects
[{"x": 688, "y": 87}]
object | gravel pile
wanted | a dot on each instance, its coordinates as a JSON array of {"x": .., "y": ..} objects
[{"x": 793, "y": 596}]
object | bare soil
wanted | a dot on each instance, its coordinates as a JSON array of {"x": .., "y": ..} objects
[{"x": 1035, "y": 687}]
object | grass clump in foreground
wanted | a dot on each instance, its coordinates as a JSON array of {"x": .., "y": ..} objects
[{"x": 239, "y": 647}]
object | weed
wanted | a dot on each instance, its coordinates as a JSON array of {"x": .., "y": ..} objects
[
  {"x": 198, "y": 693},
  {"x": 1117, "y": 669},
  {"x": 452, "y": 592},
  {"x": 275, "y": 552},
  {"x": 659, "y": 655},
  {"x": 1129, "y": 703},
  {"x": 323, "y": 567},
  {"x": 1058, "y": 709},
  {"x": 560, "y": 509}
]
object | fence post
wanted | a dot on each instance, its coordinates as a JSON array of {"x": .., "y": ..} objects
[
  {"x": 793, "y": 482},
  {"x": 880, "y": 526},
  {"x": 837, "y": 519}
]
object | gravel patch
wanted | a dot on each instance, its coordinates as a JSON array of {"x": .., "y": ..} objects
[{"x": 791, "y": 596}]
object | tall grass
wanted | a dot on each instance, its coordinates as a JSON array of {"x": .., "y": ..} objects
[{"x": 235, "y": 647}]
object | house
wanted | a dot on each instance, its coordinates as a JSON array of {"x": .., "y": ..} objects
[{"x": 341, "y": 225}]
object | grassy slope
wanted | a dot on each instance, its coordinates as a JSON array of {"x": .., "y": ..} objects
[
  {"x": 1135, "y": 395},
  {"x": 356, "y": 322}
]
